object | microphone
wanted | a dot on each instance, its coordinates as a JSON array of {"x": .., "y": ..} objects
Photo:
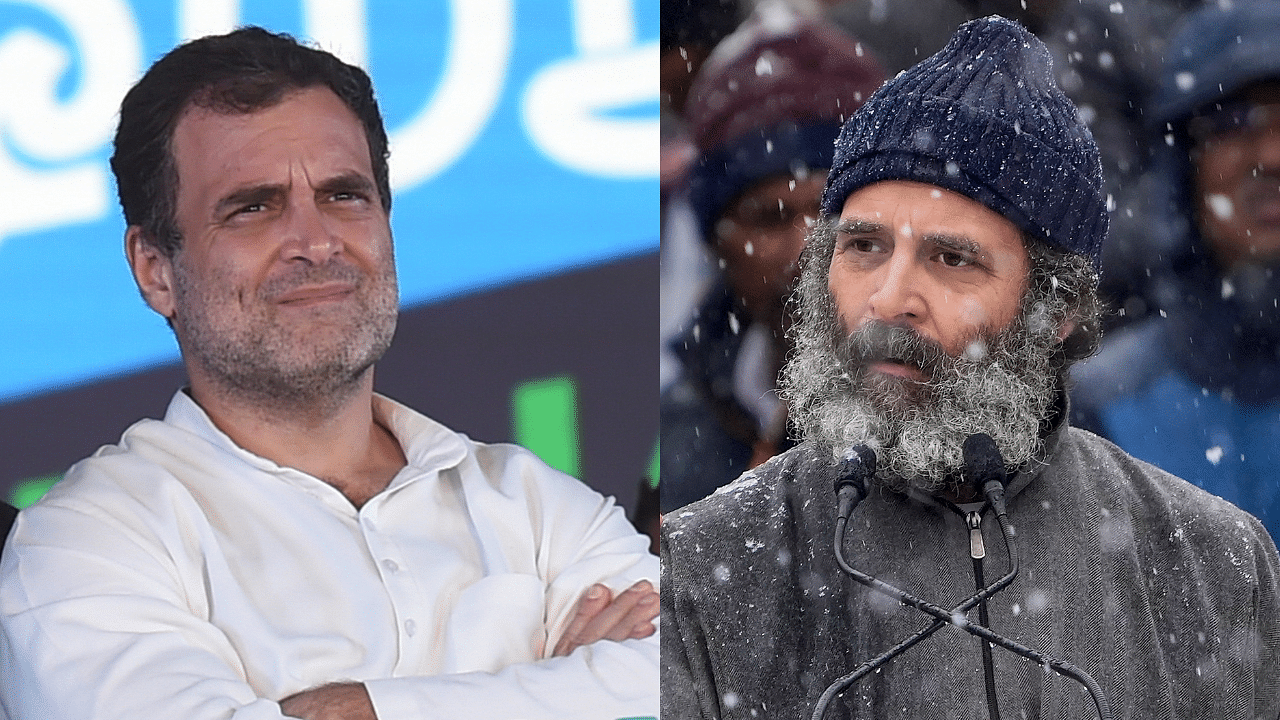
[
  {"x": 984, "y": 467},
  {"x": 856, "y": 468}
]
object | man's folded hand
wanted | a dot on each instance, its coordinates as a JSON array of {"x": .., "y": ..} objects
[
  {"x": 601, "y": 616},
  {"x": 339, "y": 701}
]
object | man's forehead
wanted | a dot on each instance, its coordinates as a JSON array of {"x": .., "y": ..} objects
[
  {"x": 892, "y": 203},
  {"x": 904, "y": 191},
  {"x": 307, "y": 117},
  {"x": 209, "y": 105}
]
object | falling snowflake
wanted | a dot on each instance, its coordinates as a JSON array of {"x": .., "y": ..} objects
[
  {"x": 1214, "y": 454},
  {"x": 1221, "y": 206},
  {"x": 720, "y": 572}
]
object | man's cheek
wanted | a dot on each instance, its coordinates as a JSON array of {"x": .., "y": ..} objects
[{"x": 973, "y": 313}]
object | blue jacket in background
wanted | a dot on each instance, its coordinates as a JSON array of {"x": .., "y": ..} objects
[{"x": 1195, "y": 387}]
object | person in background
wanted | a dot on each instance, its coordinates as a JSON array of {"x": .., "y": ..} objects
[
  {"x": 764, "y": 113},
  {"x": 1195, "y": 388},
  {"x": 947, "y": 288},
  {"x": 1108, "y": 58},
  {"x": 285, "y": 542},
  {"x": 690, "y": 31}
]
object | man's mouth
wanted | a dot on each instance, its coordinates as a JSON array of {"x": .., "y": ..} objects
[
  {"x": 316, "y": 294},
  {"x": 899, "y": 368}
]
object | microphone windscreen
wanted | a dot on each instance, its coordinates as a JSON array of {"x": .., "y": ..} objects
[
  {"x": 856, "y": 467},
  {"x": 982, "y": 460}
]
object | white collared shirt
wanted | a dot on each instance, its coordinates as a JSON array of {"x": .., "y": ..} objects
[{"x": 176, "y": 575}]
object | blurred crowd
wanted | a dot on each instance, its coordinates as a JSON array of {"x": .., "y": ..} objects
[{"x": 1183, "y": 99}]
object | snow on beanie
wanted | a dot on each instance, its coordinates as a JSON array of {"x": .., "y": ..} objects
[
  {"x": 771, "y": 100},
  {"x": 983, "y": 117}
]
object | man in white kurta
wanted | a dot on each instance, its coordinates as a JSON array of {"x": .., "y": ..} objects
[
  {"x": 286, "y": 543},
  {"x": 176, "y": 575}
]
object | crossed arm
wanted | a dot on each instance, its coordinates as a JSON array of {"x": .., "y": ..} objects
[
  {"x": 145, "y": 612},
  {"x": 598, "y": 616}
]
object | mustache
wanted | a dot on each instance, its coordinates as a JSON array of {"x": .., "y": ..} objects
[{"x": 877, "y": 341}]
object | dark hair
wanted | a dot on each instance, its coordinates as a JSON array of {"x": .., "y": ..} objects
[
  {"x": 241, "y": 72},
  {"x": 1068, "y": 283}
]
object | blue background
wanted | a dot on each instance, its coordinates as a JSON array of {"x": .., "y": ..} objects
[{"x": 504, "y": 210}]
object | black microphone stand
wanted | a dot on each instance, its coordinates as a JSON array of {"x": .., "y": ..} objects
[
  {"x": 866, "y": 668},
  {"x": 854, "y": 477}
]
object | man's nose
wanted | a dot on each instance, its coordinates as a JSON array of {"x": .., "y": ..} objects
[
  {"x": 896, "y": 297},
  {"x": 308, "y": 235}
]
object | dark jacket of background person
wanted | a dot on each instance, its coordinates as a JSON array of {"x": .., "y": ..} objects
[
  {"x": 769, "y": 102},
  {"x": 1140, "y": 600},
  {"x": 1195, "y": 388}
]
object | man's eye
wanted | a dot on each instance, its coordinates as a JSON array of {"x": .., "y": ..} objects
[
  {"x": 863, "y": 245},
  {"x": 951, "y": 259},
  {"x": 250, "y": 208}
]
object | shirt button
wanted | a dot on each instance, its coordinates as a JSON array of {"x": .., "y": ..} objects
[
  {"x": 391, "y": 565},
  {"x": 410, "y": 627}
]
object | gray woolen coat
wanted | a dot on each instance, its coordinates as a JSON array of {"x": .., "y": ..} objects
[{"x": 1164, "y": 594}]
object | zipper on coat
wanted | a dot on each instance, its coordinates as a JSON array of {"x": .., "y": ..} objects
[{"x": 978, "y": 551}]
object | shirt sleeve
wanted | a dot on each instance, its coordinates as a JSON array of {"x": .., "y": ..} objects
[{"x": 603, "y": 681}]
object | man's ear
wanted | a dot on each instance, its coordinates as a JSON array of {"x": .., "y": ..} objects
[{"x": 152, "y": 271}]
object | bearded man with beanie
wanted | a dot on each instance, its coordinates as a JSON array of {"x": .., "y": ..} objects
[
  {"x": 947, "y": 288},
  {"x": 764, "y": 114}
]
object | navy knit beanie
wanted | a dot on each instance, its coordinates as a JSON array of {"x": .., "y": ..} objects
[
  {"x": 771, "y": 100},
  {"x": 983, "y": 117}
]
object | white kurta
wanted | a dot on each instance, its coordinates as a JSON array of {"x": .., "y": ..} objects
[{"x": 176, "y": 575}]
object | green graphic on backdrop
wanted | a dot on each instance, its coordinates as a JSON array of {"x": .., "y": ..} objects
[
  {"x": 654, "y": 464},
  {"x": 545, "y": 418},
  {"x": 27, "y": 492}
]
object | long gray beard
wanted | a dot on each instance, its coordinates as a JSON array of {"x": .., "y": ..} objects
[{"x": 1003, "y": 384}]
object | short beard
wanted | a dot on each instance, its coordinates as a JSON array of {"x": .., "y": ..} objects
[
  {"x": 1003, "y": 384},
  {"x": 267, "y": 367}
]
